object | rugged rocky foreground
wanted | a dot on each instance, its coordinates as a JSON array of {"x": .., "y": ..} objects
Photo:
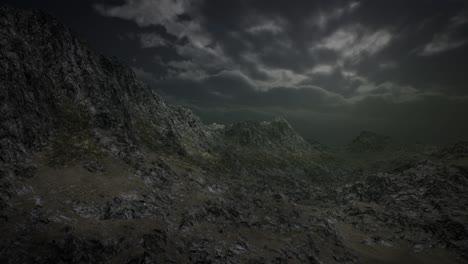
[{"x": 96, "y": 168}]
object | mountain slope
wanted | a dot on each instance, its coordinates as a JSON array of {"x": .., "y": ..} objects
[{"x": 48, "y": 74}]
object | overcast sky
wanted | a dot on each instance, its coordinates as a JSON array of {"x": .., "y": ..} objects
[{"x": 331, "y": 67}]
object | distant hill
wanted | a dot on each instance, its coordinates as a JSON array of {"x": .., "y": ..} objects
[{"x": 368, "y": 141}]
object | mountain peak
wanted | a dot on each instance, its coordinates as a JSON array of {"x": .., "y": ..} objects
[{"x": 275, "y": 134}]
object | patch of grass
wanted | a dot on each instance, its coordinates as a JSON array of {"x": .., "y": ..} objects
[
  {"x": 146, "y": 133},
  {"x": 74, "y": 140},
  {"x": 253, "y": 159}
]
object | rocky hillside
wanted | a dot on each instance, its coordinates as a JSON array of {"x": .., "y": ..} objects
[
  {"x": 49, "y": 77},
  {"x": 453, "y": 151},
  {"x": 96, "y": 168},
  {"x": 423, "y": 205}
]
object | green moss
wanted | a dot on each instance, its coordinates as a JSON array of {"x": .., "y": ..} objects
[
  {"x": 146, "y": 133},
  {"x": 252, "y": 159},
  {"x": 74, "y": 140}
]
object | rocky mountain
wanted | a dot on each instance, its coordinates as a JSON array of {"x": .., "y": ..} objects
[
  {"x": 96, "y": 168},
  {"x": 277, "y": 135},
  {"x": 49, "y": 78}
]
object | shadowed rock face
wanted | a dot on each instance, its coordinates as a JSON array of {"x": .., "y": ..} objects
[{"x": 96, "y": 168}]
